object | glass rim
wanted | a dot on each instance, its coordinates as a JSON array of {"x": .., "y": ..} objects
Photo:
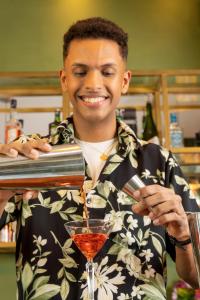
[{"x": 102, "y": 223}]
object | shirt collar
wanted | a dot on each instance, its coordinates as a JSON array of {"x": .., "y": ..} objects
[{"x": 127, "y": 138}]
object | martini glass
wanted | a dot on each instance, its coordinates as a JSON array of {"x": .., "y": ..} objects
[{"x": 89, "y": 236}]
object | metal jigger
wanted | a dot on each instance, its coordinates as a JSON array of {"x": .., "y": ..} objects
[
  {"x": 63, "y": 167},
  {"x": 194, "y": 224},
  {"x": 132, "y": 185}
]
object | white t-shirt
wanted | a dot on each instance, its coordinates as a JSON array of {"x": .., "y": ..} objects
[{"x": 92, "y": 153}]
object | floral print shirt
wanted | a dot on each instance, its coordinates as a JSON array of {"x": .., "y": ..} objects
[{"x": 132, "y": 262}]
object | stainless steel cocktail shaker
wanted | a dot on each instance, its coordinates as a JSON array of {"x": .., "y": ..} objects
[{"x": 63, "y": 167}]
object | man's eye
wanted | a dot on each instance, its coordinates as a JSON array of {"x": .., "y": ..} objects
[
  {"x": 80, "y": 73},
  {"x": 108, "y": 73}
]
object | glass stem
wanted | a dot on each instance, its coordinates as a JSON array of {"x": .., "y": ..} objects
[{"x": 90, "y": 279}]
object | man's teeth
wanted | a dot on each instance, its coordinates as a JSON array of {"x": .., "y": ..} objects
[{"x": 93, "y": 100}]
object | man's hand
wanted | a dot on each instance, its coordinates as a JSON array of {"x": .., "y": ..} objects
[
  {"x": 28, "y": 149},
  {"x": 163, "y": 207}
]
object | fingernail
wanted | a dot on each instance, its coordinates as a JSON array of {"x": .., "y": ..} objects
[
  {"x": 33, "y": 153},
  {"x": 134, "y": 208},
  {"x": 47, "y": 146},
  {"x": 136, "y": 193},
  {"x": 151, "y": 215},
  {"x": 156, "y": 222},
  {"x": 12, "y": 153}
]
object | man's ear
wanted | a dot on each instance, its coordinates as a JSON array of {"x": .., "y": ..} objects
[
  {"x": 126, "y": 81},
  {"x": 63, "y": 80}
]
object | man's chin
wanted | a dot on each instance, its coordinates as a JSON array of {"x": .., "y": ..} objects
[{"x": 95, "y": 120}]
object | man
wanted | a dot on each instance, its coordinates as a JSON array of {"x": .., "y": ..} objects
[{"x": 132, "y": 263}]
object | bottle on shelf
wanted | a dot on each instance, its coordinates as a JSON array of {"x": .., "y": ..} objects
[
  {"x": 13, "y": 126},
  {"x": 7, "y": 233},
  {"x": 128, "y": 115},
  {"x": 4, "y": 234},
  {"x": 53, "y": 125},
  {"x": 130, "y": 118},
  {"x": 21, "y": 126},
  {"x": 150, "y": 132},
  {"x": 197, "y": 138},
  {"x": 176, "y": 133}
]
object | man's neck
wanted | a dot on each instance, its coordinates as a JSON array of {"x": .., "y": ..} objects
[{"x": 95, "y": 132}]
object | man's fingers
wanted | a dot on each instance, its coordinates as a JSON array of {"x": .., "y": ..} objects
[
  {"x": 168, "y": 218},
  {"x": 29, "y": 149},
  {"x": 137, "y": 195},
  {"x": 30, "y": 195},
  {"x": 5, "y": 195},
  {"x": 8, "y": 150},
  {"x": 140, "y": 208}
]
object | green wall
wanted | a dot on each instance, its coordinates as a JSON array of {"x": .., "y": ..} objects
[
  {"x": 163, "y": 34},
  {"x": 7, "y": 277}
]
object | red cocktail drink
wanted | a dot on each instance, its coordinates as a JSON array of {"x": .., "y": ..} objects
[
  {"x": 90, "y": 243},
  {"x": 89, "y": 236}
]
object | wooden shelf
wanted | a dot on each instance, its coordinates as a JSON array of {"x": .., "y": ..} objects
[
  {"x": 7, "y": 247},
  {"x": 172, "y": 72},
  {"x": 185, "y": 150},
  {"x": 187, "y": 156},
  {"x": 141, "y": 90},
  {"x": 184, "y": 107},
  {"x": 195, "y": 186},
  {"x": 47, "y": 74},
  {"x": 31, "y": 109},
  {"x": 136, "y": 107},
  {"x": 185, "y": 90},
  {"x": 30, "y": 91}
]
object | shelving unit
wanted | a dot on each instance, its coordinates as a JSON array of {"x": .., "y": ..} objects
[
  {"x": 32, "y": 84},
  {"x": 161, "y": 84},
  {"x": 7, "y": 247},
  {"x": 182, "y": 83},
  {"x": 146, "y": 83},
  {"x": 176, "y": 82}
]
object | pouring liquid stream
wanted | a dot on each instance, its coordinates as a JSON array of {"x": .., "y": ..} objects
[{"x": 85, "y": 210}]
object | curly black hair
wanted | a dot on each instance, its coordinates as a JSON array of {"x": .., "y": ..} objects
[{"x": 96, "y": 28}]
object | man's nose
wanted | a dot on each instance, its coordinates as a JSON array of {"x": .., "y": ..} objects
[{"x": 93, "y": 80}]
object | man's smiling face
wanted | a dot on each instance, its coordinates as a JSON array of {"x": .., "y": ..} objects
[{"x": 94, "y": 77}]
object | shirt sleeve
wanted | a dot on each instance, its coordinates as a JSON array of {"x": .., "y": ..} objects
[
  {"x": 11, "y": 210},
  {"x": 176, "y": 180}
]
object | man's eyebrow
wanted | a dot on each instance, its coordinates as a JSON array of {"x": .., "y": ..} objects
[
  {"x": 86, "y": 66},
  {"x": 79, "y": 65},
  {"x": 110, "y": 65}
]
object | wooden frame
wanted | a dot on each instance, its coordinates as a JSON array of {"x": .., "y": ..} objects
[
  {"x": 44, "y": 86},
  {"x": 30, "y": 88},
  {"x": 7, "y": 247}
]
